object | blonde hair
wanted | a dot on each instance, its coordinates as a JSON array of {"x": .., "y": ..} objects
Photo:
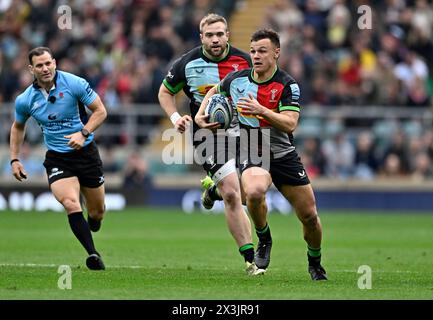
[{"x": 212, "y": 18}]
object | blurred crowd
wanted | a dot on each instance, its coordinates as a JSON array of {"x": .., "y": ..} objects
[
  {"x": 124, "y": 48},
  {"x": 337, "y": 63},
  {"x": 368, "y": 157}
]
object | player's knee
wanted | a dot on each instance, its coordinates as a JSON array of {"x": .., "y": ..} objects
[
  {"x": 231, "y": 196},
  {"x": 70, "y": 204},
  {"x": 255, "y": 194},
  {"x": 97, "y": 212},
  {"x": 311, "y": 220},
  {"x": 306, "y": 209}
]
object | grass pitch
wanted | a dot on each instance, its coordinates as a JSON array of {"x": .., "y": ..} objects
[{"x": 165, "y": 254}]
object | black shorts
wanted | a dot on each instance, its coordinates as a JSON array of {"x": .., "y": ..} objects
[
  {"x": 288, "y": 170},
  {"x": 85, "y": 164}
]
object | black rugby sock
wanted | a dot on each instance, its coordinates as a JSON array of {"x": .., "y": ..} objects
[
  {"x": 214, "y": 194},
  {"x": 265, "y": 233},
  {"x": 94, "y": 225},
  {"x": 247, "y": 250},
  {"x": 81, "y": 230},
  {"x": 314, "y": 256}
]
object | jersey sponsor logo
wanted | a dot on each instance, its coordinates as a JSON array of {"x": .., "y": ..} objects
[
  {"x": 203, "y": 89},
  {"x": 170, "y": 75},
  {"x": 199, "y": 71},
  {"x": 240, "y": 91},
  {"x": 235, "y": 66},
  {"x": 101, "y": 179},
  {"x": 57, "y": 125},
  {"x": 296, "y": 92},
  {"x": 52, "y": 116},
  {"x": 241, "y": 111},
  {"x": 273, "y": 95}
]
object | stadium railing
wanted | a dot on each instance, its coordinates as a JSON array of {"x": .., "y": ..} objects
[
  {"x": 140, "y": 120},
  {"x": 139, "y": 127}
]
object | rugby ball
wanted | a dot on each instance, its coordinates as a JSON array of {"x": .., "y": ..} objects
[{"x": 219, "y": 110}]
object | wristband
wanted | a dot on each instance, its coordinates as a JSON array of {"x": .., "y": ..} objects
[
  {"x": 14, "y": 160},
  {"x": 174, "y": 117}
]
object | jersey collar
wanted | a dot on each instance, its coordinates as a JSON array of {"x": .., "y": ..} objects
[{"x": 262, "y": 82}]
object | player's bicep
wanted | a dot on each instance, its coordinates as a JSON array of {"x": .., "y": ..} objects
[
  {"x": 164, "y": 91},
  {"x": 96, "y": 105},
  {"x": 21, "y": 118},
  {"x": 290, "y": 98},
  {"x": 21, "y": 113},
  {"x": 83, "y": 92}
]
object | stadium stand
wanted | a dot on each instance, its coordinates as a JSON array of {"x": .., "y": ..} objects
[{"x": 367, "y": 95}]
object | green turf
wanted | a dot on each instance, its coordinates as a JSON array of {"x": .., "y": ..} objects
[{"x": 181, "y": 256}]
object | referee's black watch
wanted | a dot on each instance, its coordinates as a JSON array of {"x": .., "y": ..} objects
[{"x": 85, "y": 133}]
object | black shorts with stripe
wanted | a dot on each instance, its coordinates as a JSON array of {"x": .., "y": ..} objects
[
  {"x": 85, "y": 164},
  {"x": 287, "y": 170}
]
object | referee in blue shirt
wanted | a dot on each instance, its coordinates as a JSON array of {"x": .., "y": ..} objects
[{"x": 57, "y": 100}]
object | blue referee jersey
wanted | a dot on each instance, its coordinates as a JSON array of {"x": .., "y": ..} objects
[{"x": 59, "y": 112}]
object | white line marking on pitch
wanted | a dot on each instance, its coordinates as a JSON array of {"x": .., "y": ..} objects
[{"x": 52, "y": 265}]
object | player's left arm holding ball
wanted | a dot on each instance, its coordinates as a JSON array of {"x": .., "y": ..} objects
[{"x": 201, "y": 118}]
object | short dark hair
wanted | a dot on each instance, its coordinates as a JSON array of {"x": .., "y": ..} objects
[
  {"x": 38, "y": 52},
  {"x": 210, "y": 19},
  {"x": 266, "y": 34}
]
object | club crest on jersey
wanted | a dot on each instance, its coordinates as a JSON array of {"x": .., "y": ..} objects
[{"x": 273, "y": 95}]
